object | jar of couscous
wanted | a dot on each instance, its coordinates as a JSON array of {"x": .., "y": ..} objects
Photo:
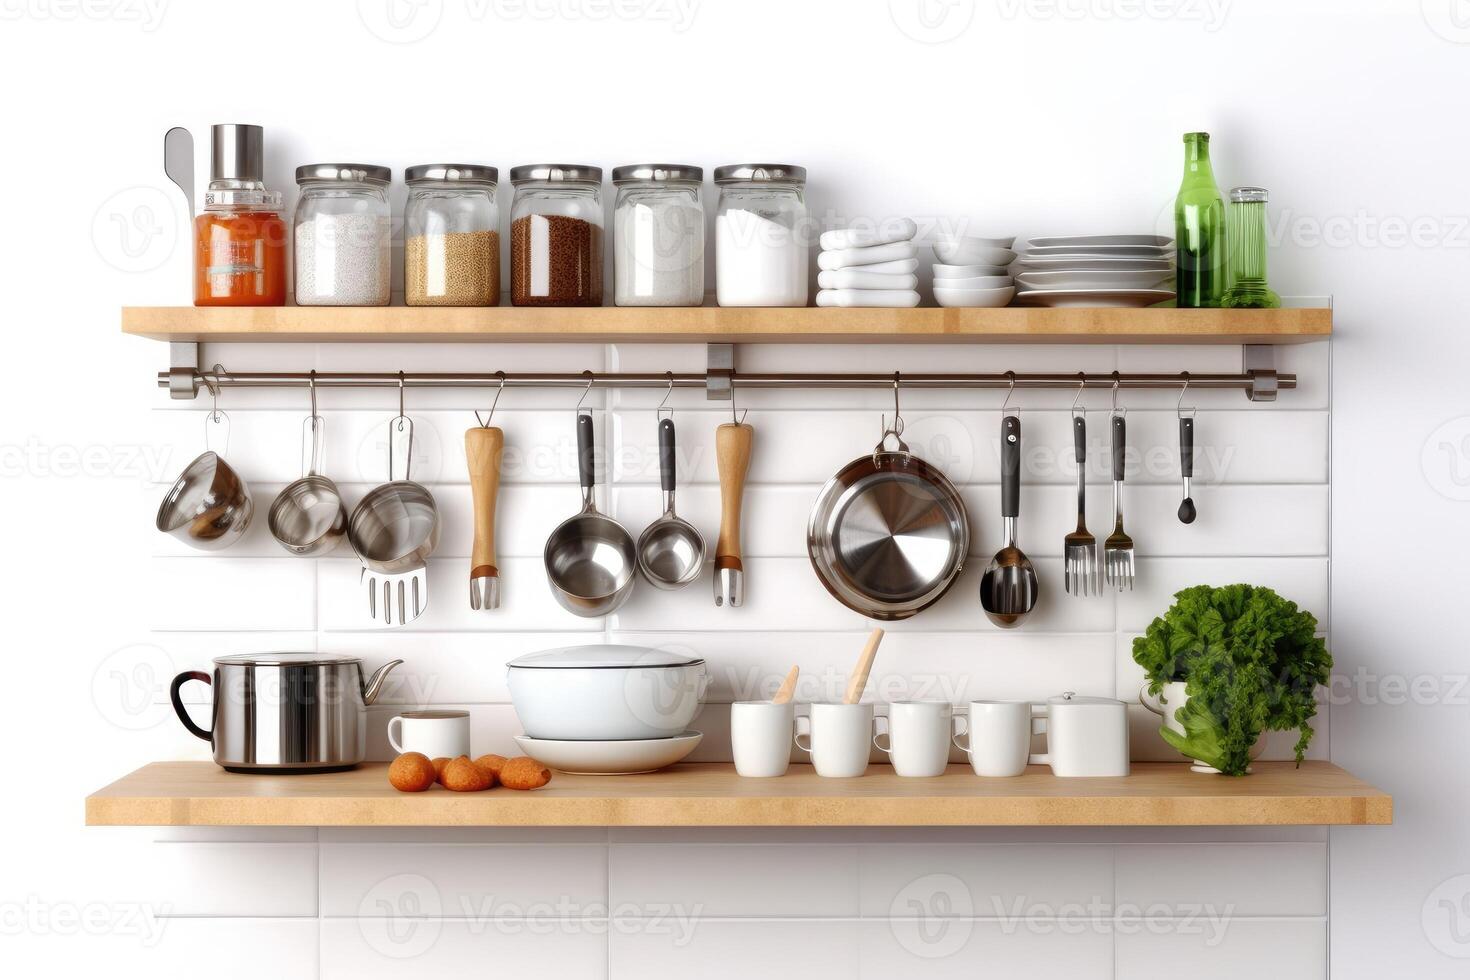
[{"x": 451, "y": 250}]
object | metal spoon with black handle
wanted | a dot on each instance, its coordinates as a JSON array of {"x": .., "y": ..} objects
[
  {"x": 1009, "y": 588},
  {"x": 1186, "y": 467}
]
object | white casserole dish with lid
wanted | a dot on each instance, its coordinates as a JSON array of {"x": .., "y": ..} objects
[{"x": 606, "y": 691}]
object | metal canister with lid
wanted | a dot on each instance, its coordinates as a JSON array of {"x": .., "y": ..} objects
[
  {"x": 343, "y": 230},
  {"x": 451, "y": 249},
  {"x": 761, "y": 235},
  {"x": 556, "y": 235},
  {"x": 658, "y": 235}
]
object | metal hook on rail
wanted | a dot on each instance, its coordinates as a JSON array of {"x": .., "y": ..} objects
[
  {"x": 1081, "y": 387},
  {"x": 897, "y": 427},
  {"x": 663, "y": 405},
  {"x": 1011, "y": 377},
  {"x": 1179, "y": 405},
  {"x": 585, "y": 392},
  {"x": 485, "y": 422}
]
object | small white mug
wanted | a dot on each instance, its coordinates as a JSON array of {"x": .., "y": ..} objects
[
  {"x": 837, "y": 738},
  {"x": 918, "y": 736},
  {"x": 1000, "y": 737},
  {"x": 760, "y": 737},
  {"x": 437, "y": 734}
]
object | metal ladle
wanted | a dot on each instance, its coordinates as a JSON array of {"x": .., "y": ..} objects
[
  {"x": 308, "y": 516},
  {"x": 670, "y": 550},
  {"x": 1009, "y": 589}
]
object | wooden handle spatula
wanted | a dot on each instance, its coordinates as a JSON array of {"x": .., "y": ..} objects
[{"x": 859, "y": 678}]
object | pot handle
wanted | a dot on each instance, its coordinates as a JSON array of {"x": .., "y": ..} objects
[
  {"x": 1040, "y": 714},
  {"x": 173, "y": 695}
]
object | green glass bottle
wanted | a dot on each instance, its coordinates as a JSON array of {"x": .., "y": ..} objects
[
  {"x": 1199, "y": 228},
  {"x": 1246, "y": 232}
]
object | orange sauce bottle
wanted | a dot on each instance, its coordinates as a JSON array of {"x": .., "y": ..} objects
[{"x": 239, "y": 239}]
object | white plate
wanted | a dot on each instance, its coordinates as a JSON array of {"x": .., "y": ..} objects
[
  {"x": 975, "y": 299},
  {"x": 612, "y": 758},
  {"x": 975, "y": 282},
  {"x": 1093, "y": 297},
  {"x": 971, "y": 252},
  {"x": 1102, "y": 252},
  {"x": 1093, "y": 263},
  {"x": 1095, "y": 241},
  {"x": 1099, "y": 279},
  {"x": 967, "y": 271}
]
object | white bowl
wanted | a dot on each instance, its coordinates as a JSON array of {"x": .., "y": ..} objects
[
  {"x": 972, "y": 251},
  {"x": 968, "y": 271},
  {"x": 606, "y": 692},
  {"x": 974, "y": 241},
  {"x": 609, "y": 758},
  {"x": 974, "y": 298},
  {"x": 975, "y": 282}
]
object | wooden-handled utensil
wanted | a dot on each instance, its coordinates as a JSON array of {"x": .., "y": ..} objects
[
  {"x": 859, "y": 677},
  {"x": 483, "y": 446},
  {"x": 788, "y": 686},
  {"x": 733, "y": 442}
]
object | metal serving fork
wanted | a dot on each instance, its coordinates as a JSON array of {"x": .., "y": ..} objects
[
  {"x": 1118, "y": 548},
  {"x": 1081, "y": 546}
]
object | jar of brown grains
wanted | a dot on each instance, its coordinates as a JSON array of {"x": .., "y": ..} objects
[
  {"x": 451, "y": 250},
  {"x": 556, "y": 235}
]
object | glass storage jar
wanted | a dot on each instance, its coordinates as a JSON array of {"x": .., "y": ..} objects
[
  {"x": 451, "y": 249},
  {"x": 239, "y": 237},
  {"x": 556, "y": 235},
  {"x": 658, "y": 235},
  {"x": 761, "y": 235},
  {"x": 343, "y": 230}
]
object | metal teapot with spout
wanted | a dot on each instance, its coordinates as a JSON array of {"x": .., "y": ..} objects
[{"x": 286, "y": 712}]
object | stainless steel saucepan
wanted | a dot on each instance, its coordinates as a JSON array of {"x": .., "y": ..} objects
[{"x": 590, "y": 558}]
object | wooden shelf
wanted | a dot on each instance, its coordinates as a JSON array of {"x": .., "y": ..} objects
[
  {"x": 711, "y": 795},
  {"x": 1020, "y": 325}
]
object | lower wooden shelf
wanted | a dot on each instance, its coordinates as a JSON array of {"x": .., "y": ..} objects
[{"x": 712, "y": 795}]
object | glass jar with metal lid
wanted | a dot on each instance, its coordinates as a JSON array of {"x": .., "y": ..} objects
[
  {"x": 451, "y": 249},
  {"x": 556, "y": 235},
  {"x": 658, "y": 235},
  {"x": 761, "y": 235},
  {"x": 343, "y": 232}
]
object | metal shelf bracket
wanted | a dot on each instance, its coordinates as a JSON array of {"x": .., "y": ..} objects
[
  {"x": 719, "y": 371},
  {"x": 1259, "y": 362},
  {"x": 183, "y": 369}
]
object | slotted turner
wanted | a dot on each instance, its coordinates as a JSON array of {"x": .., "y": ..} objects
[
  {"x": 394, "y": 530},
  {"x": 1118, "y": 549}
]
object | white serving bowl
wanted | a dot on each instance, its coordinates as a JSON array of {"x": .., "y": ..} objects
[
  {"x": 942, "y": 271},
  {"x": 972, "y": 251},
  {"x": 974, "y": 298},
  {"x": 973, "y": 241},
  {"x": 606, "y": 692},
  {"x": 975, "y": 282}
]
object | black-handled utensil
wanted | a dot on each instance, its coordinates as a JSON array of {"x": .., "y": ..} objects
[{"x": 1186, "y": 467}]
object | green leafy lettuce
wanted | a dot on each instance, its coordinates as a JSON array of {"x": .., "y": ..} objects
[{"x": 1251, "y": 662}]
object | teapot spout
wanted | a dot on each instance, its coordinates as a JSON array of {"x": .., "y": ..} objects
[{"x": 374, "y": 685}]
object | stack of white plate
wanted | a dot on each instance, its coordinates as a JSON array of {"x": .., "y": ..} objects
[
  {"x": 972, "y": 272},
  {"x": 1096, "y": 270},
  {"x": 869, "y": 266}
]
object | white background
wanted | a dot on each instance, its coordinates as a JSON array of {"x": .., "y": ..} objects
[{"x": 1031, "y": 118}]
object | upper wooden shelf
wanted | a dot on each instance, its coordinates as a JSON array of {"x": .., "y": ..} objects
[
  {"x": 710, "y": 324},
  {"x": 712, "y": 795}
]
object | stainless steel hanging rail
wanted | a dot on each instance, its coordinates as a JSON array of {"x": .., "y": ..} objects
[{"x": 257, "y": 379}]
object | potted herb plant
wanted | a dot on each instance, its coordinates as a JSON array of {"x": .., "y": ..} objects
[{"x": 1249, "y": 662}]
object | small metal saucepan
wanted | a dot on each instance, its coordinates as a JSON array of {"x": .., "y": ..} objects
[
  {"x": 590, "y": 558},
  {"x": 209, "y": 506},
  {"x": 670, "y": 550},
  {"x": 889, "y": 533}
]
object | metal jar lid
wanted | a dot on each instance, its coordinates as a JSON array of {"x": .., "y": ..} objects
[
  {"x": 657, "y": 172},
  {"x": 236, "y": 151},
  {"x": 1249, "y": 195},
  {"x": 764, "y": 173},
  {"x": 469, "y": 173},
  {"x": 567, "y": 173},
  {"x": 286, "y": 660},
  {"x": 353, "y": 173}
]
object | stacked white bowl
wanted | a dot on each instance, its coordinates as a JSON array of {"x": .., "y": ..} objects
[
  {"x": 875, "y": 266},
  {"x": 973, "y": 272}
]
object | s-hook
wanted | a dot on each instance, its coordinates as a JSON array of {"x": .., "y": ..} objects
[
  {"x": 485, "y": 422},
  {"x": 658, "y": 413},
  {"x": 1081, "y": 387},
  {"x": 585, "y": 392},
  {"x": 897, "y": 428},
  {"x": 1011, "y": 377},
  {"x": 735, "y": 419}
]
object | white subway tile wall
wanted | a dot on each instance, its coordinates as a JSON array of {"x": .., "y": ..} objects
[{"x": 661, "y": 903}]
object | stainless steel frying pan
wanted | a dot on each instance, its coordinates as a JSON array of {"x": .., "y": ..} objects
[{"x": 889, "y": 533}]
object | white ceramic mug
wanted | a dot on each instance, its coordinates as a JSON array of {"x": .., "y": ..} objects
[
  {"x": 837, "y": 738},
  {"x": 918, "y": 736},
  {"x": 1000, "y": 737},
  {"x": 760, "y": 737},
  {"x": 437, "y": 734}
]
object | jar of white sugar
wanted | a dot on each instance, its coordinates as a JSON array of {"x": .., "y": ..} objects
[
  {"x": 658, "y": 235},
  {"x": 451, "y": 245},
  {"x": 761, "y": 235},
  {"x": 343, "y": 233}
]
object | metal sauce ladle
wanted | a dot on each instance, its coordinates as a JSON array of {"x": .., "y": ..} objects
[
  {"x": 308, "y": 517},
  {"x": 670, "y": 550}
]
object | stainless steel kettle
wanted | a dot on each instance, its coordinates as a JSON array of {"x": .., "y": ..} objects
[{"x": 286, "y": 712}]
